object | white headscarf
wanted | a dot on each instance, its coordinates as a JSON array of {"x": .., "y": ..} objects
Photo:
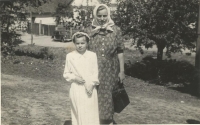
[{"x": 107, "y": 25}]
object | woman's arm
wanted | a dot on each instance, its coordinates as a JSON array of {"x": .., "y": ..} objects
[
  {"x": 120, "y": 53},
  {"x": 121, "y": 64}
]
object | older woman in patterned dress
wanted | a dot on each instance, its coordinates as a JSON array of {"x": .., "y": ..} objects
[{"x": 106, "y": 42}]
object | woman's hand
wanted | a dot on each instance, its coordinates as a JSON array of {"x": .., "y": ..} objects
[
  {"x": 79, "y": 80},
  {"x": 121, "y": 76}
]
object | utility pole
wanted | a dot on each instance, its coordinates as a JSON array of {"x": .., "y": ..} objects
[
  {"x": 1, "y": 15},
  {"x": 87, "y": 11},
  {"x": 31, "y": 29},
  {"x": 87, "y": 4},
  {"x": 0, "y": 29},
  {"x": 197, "y": 59}
]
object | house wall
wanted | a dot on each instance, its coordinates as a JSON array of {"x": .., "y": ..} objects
[{"x": 44, "y": 30}]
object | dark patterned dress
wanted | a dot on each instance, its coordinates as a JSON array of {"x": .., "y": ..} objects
[{"x": 106, "y": 44}]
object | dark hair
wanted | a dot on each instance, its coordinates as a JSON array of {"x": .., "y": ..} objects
[
  {"x": 101, "y": 8},
  {"x": 79, "y": 36}
]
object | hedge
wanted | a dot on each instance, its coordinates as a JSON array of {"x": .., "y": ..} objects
[
  {"x": 41, "y": 52},
  {"x": 148, "y": 69},
  {"x": 163, "y": 72}
]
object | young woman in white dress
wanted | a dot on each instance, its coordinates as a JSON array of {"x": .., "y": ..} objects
[{"x": 81, "y": 70}]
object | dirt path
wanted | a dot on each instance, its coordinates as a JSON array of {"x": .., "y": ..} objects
[
  {"x": 48, "y": 42},
  {"x": 44, "y": 41},
  {"x": 27, "y": 101}
]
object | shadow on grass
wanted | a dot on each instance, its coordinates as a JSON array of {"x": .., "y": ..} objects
[
  {"x": 192, "y": 121},
  {"x": 192, "y": 90},
  {"x": 69, "y": 122},
  {"x": 19, "y": 41}
]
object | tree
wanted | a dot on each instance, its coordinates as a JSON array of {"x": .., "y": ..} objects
[
  {"x": 84, "y": 15},
  {"x": 164, "y": 23},
  {"x": 12, "y": 14},
  {"x": 64, "y": 9},
  {"x": 14, "y": 11},
  {"x": 107, "y": 2}
]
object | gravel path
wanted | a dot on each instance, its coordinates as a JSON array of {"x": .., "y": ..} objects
[{"x": 45, "y": 41}]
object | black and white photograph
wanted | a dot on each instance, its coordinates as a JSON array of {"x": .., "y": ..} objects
[{"x": 100, "y": 62}]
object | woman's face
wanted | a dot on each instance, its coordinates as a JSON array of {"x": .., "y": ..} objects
[{"x": 102, "y": 16}]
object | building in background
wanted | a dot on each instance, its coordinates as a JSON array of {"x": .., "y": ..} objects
[
  {"x": 46, "y": 18},
  {"x": 85, "y": 4}
]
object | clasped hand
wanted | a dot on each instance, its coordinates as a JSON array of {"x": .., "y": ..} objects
[
  {"x": 79, "y": 80},
  {"x": 89, "y": 87}
]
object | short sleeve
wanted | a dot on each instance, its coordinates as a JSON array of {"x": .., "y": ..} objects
[{"x": 120, "y": 43}]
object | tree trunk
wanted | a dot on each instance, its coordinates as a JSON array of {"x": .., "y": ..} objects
[
  {"x": 0, "y": 30},
  {"x": 7, "y": 27},
  {"x": 161, "y": 44},
  {"x": 160, "y": 53},
  {"x": 197, "y": 59}
]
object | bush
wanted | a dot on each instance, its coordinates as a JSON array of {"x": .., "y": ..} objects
[
  {"x": 9, "y": 40},
  {"x": 36, "y": 52},
  {"x": 40, "y": 52},
  {"x": 147, "y": 69},
  {"x": 162, "y": 72},
  {"x": 177, "y": 71}
]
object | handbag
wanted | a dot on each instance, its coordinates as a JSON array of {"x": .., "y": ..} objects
[{"x": 120, "y": 98}]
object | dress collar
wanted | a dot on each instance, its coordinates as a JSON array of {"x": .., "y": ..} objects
[{"x": 85, "y": 55}]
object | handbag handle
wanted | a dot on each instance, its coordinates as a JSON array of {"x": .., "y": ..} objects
[{"x": 120, "y": 84}]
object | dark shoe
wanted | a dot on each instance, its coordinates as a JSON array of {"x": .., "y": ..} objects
[
  {"x": 68, "y": 122},
  {"x": 105, "y": 121},
  {"x": 114, "y": 122}
]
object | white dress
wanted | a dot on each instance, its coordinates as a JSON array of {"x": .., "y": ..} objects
[{"x": 84, "y": 108}]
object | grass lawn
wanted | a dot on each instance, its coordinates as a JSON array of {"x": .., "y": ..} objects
[{"x": 34, "y": 92}]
